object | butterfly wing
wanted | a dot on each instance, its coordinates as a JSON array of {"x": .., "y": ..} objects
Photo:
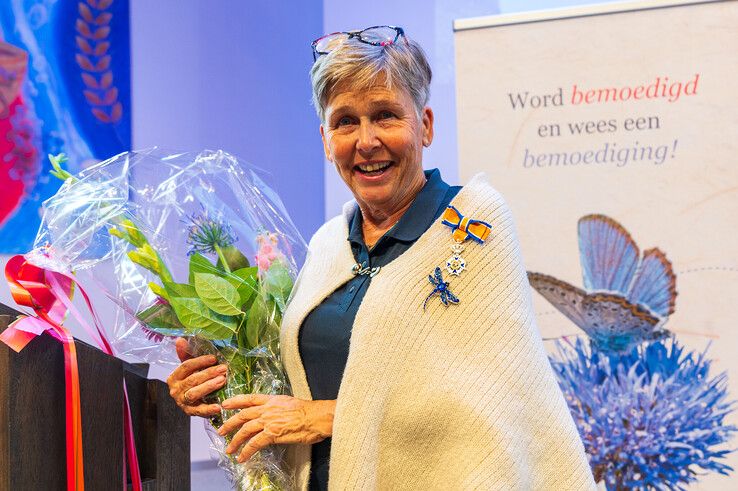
[
  {"x": 567, "y": 298},
  {"x": 609, "y": 320},
  {"x": 616, "y": 324},
  {"x": 655, "y": 284},
  {"x": 608, "y": 254}
]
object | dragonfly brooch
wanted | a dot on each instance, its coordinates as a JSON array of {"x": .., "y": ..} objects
[{"x": 440, "y": 288}]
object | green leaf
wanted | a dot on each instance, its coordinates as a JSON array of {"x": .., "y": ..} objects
[
  {"x": 146, "y": 256},
  {"x": 180, "y": 290},
  {"x": 199, "y": 319},
  {"x": 129, "y": 231},
  {"x": 158, "y": 290},
  {"x": 278, "y": 283},
  {"x": 134, "y": 234},
  {"x": 59, "y": 172},
  {"x": 161, "y": 318},
  {"x": 117, "y": 233},
  {"x": 201, "y": 264},
  {"x": 246, "y": 282},
  {"x": 274, "y": 314},
  {"x": 257, "y": 318},
  {"x": 217, "y": 293},
  {"x": 234, "y": 258}
]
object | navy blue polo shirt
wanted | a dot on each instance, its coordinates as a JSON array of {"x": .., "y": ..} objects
[{"x": 325, "y": 332}]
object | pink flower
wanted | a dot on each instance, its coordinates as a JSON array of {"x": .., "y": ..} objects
[{"x": 268, "y": 251}]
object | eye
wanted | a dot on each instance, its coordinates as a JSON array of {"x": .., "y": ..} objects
[
  {"x": 344, "y": 121},
  {"x": 385, "y": 115}
]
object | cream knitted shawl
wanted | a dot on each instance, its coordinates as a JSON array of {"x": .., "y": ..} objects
[{"x": 457, "y": 397}]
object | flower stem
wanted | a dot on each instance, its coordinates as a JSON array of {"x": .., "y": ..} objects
[{"x": 223, "y": 261}]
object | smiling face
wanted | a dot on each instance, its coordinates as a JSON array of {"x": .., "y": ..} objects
[{"x": 375, "y": 139}]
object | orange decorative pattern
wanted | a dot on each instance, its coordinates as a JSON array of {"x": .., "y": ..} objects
[{"x": 93, "y": 30}]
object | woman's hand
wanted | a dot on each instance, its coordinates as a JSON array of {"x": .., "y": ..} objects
[
  {"x": 275, "y": 419},
  {"x": 194, "y": 379}
]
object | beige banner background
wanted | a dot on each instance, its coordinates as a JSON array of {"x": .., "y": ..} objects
[{"x": 661, "y": 160}]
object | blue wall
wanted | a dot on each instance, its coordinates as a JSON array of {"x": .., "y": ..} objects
[{"x": 233, "y": 75}]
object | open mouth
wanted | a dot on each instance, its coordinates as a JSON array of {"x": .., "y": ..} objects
[{"x": 372, "y": 170}]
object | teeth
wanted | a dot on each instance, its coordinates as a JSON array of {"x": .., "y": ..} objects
[{"x": 374, "y": 167}]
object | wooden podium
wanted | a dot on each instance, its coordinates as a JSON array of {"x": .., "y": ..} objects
[{"x": 32, "y": 424}]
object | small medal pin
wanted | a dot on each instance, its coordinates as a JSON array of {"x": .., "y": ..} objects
[
  {"x": 456, "y": 264},
  {"x": 463, "y": 228}
]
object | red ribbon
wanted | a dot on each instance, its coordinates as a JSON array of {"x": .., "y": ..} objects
[{"x": 49, "y": 294}]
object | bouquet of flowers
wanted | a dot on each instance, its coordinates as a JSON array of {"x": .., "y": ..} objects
[{"x": 168, "y": 238}]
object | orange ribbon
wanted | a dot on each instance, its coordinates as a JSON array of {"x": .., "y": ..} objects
[
  {"x": 464, "y": 227},
  {"x": 49, "y": 293},
  {"x": 29, "y": 288}
]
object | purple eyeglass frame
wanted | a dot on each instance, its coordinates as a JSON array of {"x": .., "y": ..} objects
[{"x": 399, "y": 32}]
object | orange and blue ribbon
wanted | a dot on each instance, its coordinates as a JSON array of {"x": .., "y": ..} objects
[
  {"x": 464, "y": 227},
  {"x": 49, "y": 294}
]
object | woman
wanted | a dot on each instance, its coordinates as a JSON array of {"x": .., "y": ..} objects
[{"x": 445, "y": 383}]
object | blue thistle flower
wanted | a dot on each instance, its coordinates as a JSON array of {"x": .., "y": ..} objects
[
  {"x": 650, "y": 418},
  {"x": 206, "y": 234}
]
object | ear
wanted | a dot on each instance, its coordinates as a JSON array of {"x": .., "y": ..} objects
[
  {"x": 427, "y": 116},
  {"x": 326, "y": 148}
]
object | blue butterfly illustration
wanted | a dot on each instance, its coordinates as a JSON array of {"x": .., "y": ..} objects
[
  {"x": 626, "y": 298},
  {"x": 440, "y": 287}
]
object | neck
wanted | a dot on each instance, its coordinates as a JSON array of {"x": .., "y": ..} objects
[{"x": 377, "y": 221}]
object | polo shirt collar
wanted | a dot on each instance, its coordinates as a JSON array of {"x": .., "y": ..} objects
[{"x": 418, "y": 217}]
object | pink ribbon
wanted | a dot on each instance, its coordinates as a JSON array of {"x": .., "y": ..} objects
[{"x": 49, "y": 294}]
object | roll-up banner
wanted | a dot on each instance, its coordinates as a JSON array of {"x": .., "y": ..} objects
[{"x": 612, "y": 131}]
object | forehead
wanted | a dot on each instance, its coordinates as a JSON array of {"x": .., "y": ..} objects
[{"x": 349, "y": 97}]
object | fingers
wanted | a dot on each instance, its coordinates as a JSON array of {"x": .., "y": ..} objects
[
  {"x": 194, "y": 394},
  {"x": 247, "y": 431},
  {"x": 259, "y": 441},
  {"x": 188, "y": 367},
  {"x": 246, "y": 400},
  {"x": 203, "y": 376},
  {"x": 183, "y": 349},
  {"x": 244, "y": 416},
  {"x": 203, "y": 410},
  {"x": 194, "y": 379}
]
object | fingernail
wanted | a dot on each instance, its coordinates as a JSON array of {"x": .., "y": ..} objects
[
  {"x": 221, "y": 432},
  {"x": 219, "y": 379},
  {"x": 222, "y": 369}
]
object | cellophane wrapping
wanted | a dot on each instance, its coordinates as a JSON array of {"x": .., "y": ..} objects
[{"x": 185, "y": 244}]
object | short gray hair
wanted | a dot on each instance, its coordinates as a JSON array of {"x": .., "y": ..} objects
[{"x": 356, "y": 65}]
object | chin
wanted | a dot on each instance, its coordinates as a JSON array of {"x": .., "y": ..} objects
[{"x": 374, "y": 198}]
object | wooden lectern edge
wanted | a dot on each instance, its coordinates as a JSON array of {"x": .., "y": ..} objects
[
  {"x": 9, "y": 314},
  {"x": 158, "y": 443}
]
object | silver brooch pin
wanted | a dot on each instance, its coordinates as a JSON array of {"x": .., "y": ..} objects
[{"x": 359, "y": 269}]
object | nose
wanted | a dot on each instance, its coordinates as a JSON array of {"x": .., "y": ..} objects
[{"x": 367, "y": 142}]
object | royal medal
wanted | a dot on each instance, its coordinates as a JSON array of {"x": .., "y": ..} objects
[
  {"x": 462, "y": 228},
  {"x": 456, "y": 264}
]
